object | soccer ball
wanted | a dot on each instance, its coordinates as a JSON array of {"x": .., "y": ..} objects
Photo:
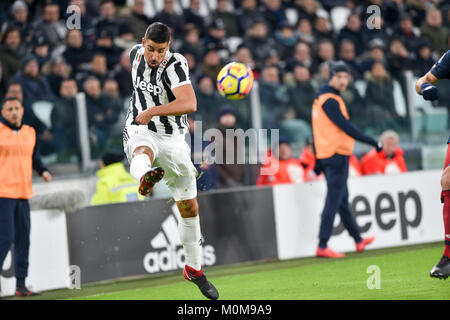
[{"x": 235, "y": 81}]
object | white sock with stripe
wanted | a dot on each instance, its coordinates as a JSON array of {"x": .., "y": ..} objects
[
  {"x": 190, "y": 237},
  {"x": 140, "y": 164}
]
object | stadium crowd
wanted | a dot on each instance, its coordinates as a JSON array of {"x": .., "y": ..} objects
[{"x": 286, "y": 43}]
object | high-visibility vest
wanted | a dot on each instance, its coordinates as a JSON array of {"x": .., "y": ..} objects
[
  {"x": 16, "y": 162},
  {"x": 329, "y": 139}
]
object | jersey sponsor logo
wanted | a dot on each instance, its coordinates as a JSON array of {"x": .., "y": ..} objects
[
  {"x": 167, "y": 253},
  {"x": 144, "y": 85}
]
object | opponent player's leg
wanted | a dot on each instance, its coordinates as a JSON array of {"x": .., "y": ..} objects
[
  {"x": 141, "y": 169},
  {"x": 191, "y": 238},
  {"x": 442, "y": 268}
]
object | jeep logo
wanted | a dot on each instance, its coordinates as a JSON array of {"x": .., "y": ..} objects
[
  {"x": 384, "y": 207},
  {"x": 143, "y": 85}
]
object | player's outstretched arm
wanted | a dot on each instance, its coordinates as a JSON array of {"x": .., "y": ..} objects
[
  {"x": 427, "y": 78},
  {"x": 185, "y": 102}
]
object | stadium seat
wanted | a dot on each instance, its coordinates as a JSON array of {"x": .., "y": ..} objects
[
  {"x": 361, "y": 86},
  {"x": 233, "y": 43},
  {"x": 339, "y": 17},
  {"x": 292, "y": 16},
  {"x": 43, "y": 111}
]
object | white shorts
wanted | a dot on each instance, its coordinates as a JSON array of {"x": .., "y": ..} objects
[{"x": 172, "y": 153}]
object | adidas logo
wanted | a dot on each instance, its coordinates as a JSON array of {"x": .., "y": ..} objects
[{"x": 169, "y": 254}]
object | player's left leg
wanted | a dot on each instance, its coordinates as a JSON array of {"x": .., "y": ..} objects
[{"x": 191, "y": 239}]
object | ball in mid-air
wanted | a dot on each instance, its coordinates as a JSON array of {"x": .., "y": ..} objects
[{"x": 235, "y": 81}]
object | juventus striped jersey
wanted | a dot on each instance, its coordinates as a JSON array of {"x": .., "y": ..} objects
[{"x": 153, "y": 87}]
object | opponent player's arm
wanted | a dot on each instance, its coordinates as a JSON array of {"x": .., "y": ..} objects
[
  {"x": 185, "y": 102},
  {"x": 440, "y": 70}
]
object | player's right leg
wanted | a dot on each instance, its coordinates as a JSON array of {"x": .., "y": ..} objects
[
  {"x": 442, "y": 269},
  {"x": 141, "y": 169}
]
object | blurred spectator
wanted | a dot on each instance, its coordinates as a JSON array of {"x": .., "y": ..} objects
[
  {"x": 325, "y": 52},
  {"x": 356, "y": 105},
  {"x": 290, "y": 170},
  {"x": 246, "y": 14},
  {"x": 12, "y": 52},
  {"x": 35, "y": 86},
  {"x": 51, "y": 26},
  {"x": 216, "y": 39},
  {"x": 259, "y": 41},
  {"x": 228, "y": 17},
  {"x": 19, "y": 19},
  {"x": 302, "y": 55},
  {"x": 273, "y": 13},
  {"x": 274, "y": 98},
  {"x": 59, "y": 70},
  {"x": 77, "y": 54},
  {"x": 244, "y": 55},
  {"x": 347, "y": 54},
  {"x": 122, "y": 74},
  {"x": 41, "y": 50},
  {"x": 353, "y": 32},
  {"x": 322, "y": 75},
  {"x": 170, "y": 17},
  {"x": 380, "y": 98},
  {"x": 424, "y": 59},
  {"x": 211, "y": 64},
  {"x": 399, "y": 58},
  {"x": 191, "y": 42},
  {"x": 115, "y": 184},
  {"x": 406, "y": 33},
  {"x": 107, "y": 19},
  {"x": 192, "y": 16},
  {"x": 304, "y": 31},
  {"x": 286, "y": 41},
  {"x": 307, "y": 9},
  {"x": 104, "y": 44},
  {"x": 308, "y": 160},
  {"x": 229, "y": 174},
  {"x": 301, "y": 94},
  {"x": 64, "y": 118},
  {"x": 3, "y": 83},
  {"x": 207, "y": 172},
  {"x": 378, "y": 32},
  {"x": 136, "y": 20},
  {"x": 111, "y": 90},
  {"x": 387, "y": 161},
  {"x": 432, "y": 31},
  {"x": 207, "y": 102},
  {"x": 322, "y": 26},
  {"x": 375, "y": 54},
  {"x": 101, "y": 115},
  {"x": 98, "y": 69}
]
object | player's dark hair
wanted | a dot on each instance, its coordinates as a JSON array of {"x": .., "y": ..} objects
[
  {"x": 10, "y": 99},
  {"x": 157, "y": 32}
]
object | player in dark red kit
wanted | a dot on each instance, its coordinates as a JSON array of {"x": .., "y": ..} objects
[{"x": 425, "y": 87}]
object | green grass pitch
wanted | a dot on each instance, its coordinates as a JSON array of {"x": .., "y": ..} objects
[{"x": 404, "y": 274}]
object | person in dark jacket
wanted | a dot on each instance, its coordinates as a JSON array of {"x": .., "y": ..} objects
[
  {"x": 12, "y": 52},
  {"x": 334, "y": 138},
  {"x": 77, "y": 53},
  {"x": 301, "y": 94}
]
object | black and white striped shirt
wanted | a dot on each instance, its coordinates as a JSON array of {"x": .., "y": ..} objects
[{"x": 153, "y": 87}]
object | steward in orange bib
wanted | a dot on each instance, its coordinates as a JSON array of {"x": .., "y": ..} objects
[
  {"x": 334, "y": 137},
  {"x": 18, "y": 155}
]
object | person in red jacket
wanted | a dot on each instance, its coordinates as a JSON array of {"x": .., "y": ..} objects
[
  {"x": 290, "y": 170},
  {"x": 387, "y": 161}
]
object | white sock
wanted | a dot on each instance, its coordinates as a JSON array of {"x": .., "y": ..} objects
[
  {"x": 140, "y": 164},
  {"x": 190, "y": 237}
]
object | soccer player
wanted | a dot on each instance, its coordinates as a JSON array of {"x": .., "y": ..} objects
[
  {"x": 154, "y": 140},
  {"x": 425, "y": 87}
]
